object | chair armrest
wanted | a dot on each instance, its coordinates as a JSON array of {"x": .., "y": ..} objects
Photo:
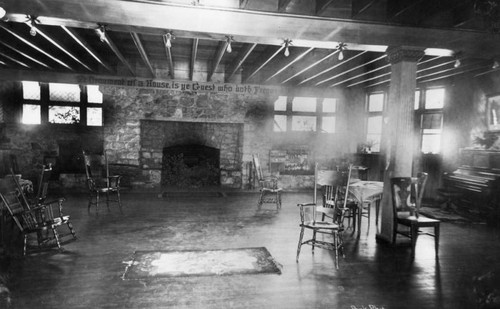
[
  {"x": 48, "y": 206},
  {"x": 114, "y": 181},
  {"x": 306, "y": 204}
]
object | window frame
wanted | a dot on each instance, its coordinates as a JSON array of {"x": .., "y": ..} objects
[
  {"x": 45, "y": 103},
  {"x": 370, "y": 114},
  {"x": 420, "y": 113},
  {"x": 318, "y": 114}
]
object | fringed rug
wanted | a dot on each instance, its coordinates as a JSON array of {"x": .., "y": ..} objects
[
  {"x": 165, "y": 264},
  {"x": 443, "y": 215}
]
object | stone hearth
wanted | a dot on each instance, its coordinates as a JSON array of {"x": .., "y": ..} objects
[{"x": 223, "y": 138}]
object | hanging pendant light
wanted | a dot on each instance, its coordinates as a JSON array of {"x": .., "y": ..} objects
[
  {"x": 287, "y": 43},
  {"x": 229, "y": 39}
]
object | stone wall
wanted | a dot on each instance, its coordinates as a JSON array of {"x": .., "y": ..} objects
[
  {"x": 126, "y": 108},
  {"x": 227, "y": 137},
  {"x": 233, "y": 123}
]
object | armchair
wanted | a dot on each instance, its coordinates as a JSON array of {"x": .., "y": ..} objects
[
  {"x": 269, "y": 190},
  {"x": 99, "y": 180}
]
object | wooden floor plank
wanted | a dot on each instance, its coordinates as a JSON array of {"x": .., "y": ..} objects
[{"x": 88, "y": 274}]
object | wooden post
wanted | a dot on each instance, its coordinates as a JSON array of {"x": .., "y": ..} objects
[{"x": 398, "y": 138}]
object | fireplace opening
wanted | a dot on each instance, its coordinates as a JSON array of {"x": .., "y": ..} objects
[{"x": 190, "y": 166}]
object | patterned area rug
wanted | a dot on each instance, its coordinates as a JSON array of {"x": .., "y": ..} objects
[
  {"x": 443, "y": 215},
  {"x": 165, "y": 264}
]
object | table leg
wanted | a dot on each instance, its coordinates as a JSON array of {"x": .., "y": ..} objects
[{"x": 360, "y": 214}]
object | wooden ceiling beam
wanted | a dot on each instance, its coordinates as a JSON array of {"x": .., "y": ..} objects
[
  {"x": 106, "y": 39},
  {"x": 15, "y": 60},
  {"x": 310, "y": 66},
  {"x": 322, "y": 6},
  {"x": 170, "y": 60},
  {"x": 264, "y": 63},
  {"x": 333, "y": 67},
  {"x": 455, "y": 73},
  {"x": 142, "y": 52},
  {"x": 247, "y": 26},
  {"x": 359, "y": 6},
  {"x": 389, "y": 73},
  {"x": 220, "y": 53},
  {"x": 359, "y": 75},
  {"x": 58, "y": 45},
  {"x": 283, "y": 4},
  {"x": 26, "y": 55},
  {"x": 194, "y": 52},
  {"x": 368, "y": 79},
  {"x": 78, "y": 39},
  {"x": 35, "y": 47},
  {"x": 286, "y": 66},
  {"x": 402, "y": 8},
  {"x": 239, "y": 61},
  {"x": 351, "y": 69}
]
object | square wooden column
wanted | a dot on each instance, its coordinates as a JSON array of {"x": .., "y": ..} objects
[{"x": 398, "y": 138}]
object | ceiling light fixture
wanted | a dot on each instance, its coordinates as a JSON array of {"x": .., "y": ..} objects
[
  {"x": 457, "y": 60},
  {"x": 341, "y": 47},
  {"x": 102, "y": 33},
  {"x": 287, "y": 43},
  {"x": 229, "y": 39},
  {"x": 168, "y": 39},
  {"x": 2, "y": 12},
  {"x": 32, "y": 21}
]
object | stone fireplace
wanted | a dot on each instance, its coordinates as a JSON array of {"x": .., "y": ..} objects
[
  {"x": 192, "y": 154},
  {"x": 190, "y": 165}
]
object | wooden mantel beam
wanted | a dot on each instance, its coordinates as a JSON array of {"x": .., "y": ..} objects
[{"x": 247, "y": 26}]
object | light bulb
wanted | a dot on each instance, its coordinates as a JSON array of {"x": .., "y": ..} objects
[
  {"x": 168, "y": 43},
  {"x": 495, "y": 65},
  {"x": 229, "y": 49},
  {"x": 102, "y": 36},
  {"x": 341, "y": 55},
  {"x": 33, "y": 31},
  {"x": 2, "y": 12},
  {"x": 287, "y": 51},
  {"x": 457, "y": 63}
]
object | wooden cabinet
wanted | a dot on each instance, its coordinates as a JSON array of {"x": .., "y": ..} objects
[{"x": 374, "y": 163}]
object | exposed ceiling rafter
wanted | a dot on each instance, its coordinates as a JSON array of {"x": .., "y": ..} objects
[
  {"x": 333, "y": 67},
  {"x": 78, "y": 39},
  {"x": 240, "y": 60},
  {"x": 286, "y": 66},
  {"x": 58, "y": 45},
  {"x": 26, "y": 55},
  {"x": 35, "y": 47},
  {"x": 142, "y": 52},
  {"x": 106, "y": 39},
  {"x": 264, "y": 63},
  {"x": 322, "y": 6},
  {"x": 194, "y": 52},
  {"x": 220, "y": 53}
]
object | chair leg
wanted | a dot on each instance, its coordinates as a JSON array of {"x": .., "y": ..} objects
[
  {"x": 414, "y": 236},
  {"x": 436, "y": 238},
  {"x": 261, "y": 198},
  {"x": 107, "y": 199},
  {"x": 97, "y": 202},
  {"x": 25, "y": 243},
  {"x": 56, "y": 237},
  {"x": 336, "y": 245},
  {"x": 71, "y": 229},
  {"x": 91, "y": 198},
  {"x": 314, "y": 240},
  {"x": 119, "y": 199},
  {"x": 300, "y": 243},
  {"x": 377, "y": 210}
]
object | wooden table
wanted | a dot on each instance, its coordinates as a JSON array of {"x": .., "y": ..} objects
[{"x": 365, "y": 191}]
